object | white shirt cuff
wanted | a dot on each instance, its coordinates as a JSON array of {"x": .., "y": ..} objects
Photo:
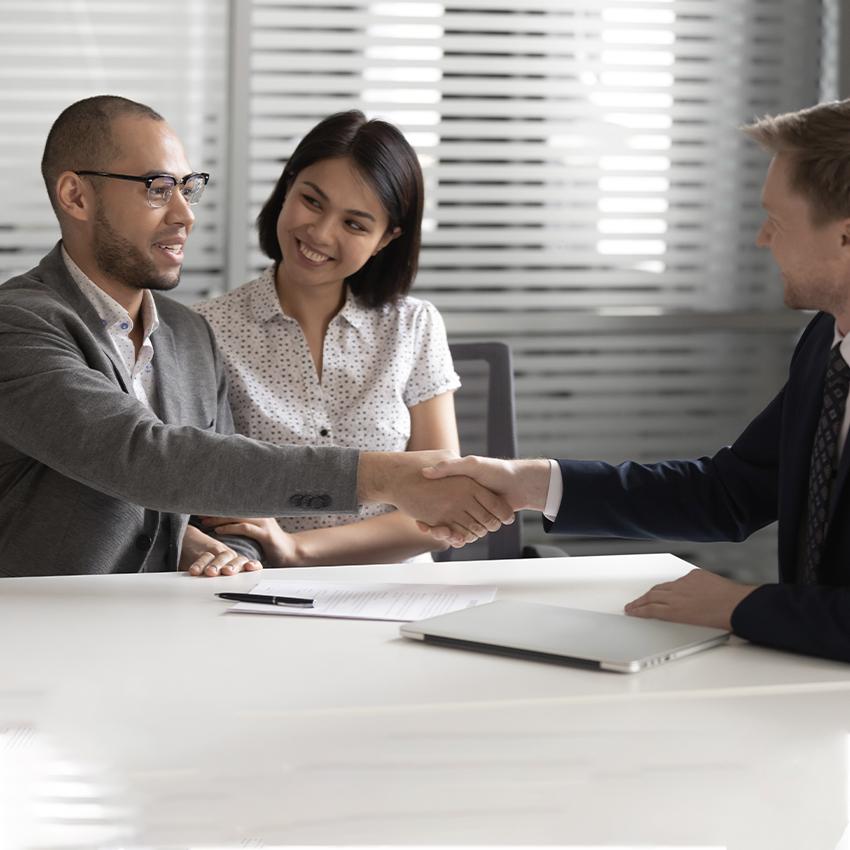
[{"x": 555, "y": 492}]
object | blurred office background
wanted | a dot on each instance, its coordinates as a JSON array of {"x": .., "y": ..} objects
[{"x": 590, "y": 200}]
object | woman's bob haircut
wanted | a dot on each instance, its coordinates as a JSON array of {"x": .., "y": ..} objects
[{"x": 383, "y": 157}]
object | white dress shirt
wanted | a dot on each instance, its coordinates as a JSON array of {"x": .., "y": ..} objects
[
  {"x": 118, "y": 324},
  {"x": 556, "y": 483},
  {"x": 376, "y": 365}
]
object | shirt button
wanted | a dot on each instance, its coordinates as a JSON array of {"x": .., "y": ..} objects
[
  {"x": 124, "y": 326},
  {"x": 143, "y": 542},
  {"x": 324, "y": 432}
]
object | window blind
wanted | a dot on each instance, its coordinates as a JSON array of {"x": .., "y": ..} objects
[
  {"x": 589, "y": 198},
  {"x": 171, "y": 56}
]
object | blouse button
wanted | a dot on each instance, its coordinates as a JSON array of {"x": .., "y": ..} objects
[{"x": 324, "y": 432}]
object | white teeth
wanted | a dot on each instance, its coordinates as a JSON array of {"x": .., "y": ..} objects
[
  {"x": 176, "y": 249},
  {"x": 314, "y": 256}
]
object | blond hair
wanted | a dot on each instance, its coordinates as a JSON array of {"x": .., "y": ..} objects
[{"x": 817, "y": 141}]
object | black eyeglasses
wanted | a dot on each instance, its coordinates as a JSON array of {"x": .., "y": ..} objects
[{"x": 161, "y": 186}]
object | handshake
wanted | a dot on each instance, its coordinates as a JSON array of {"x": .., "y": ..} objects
[{"x": 457, "y": 500}]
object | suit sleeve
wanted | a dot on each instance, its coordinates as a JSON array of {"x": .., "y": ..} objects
[
  {"x": 724, "y": 497},
  {"x": 71, "y": 417},
  {"x": 811, "y": 619}
]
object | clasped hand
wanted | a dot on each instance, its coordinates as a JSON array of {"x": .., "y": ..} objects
[
  {"x": 201, "y": 554},
  {"x": 454, "y": 508}
]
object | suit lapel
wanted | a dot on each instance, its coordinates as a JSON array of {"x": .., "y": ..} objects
[
  {"x": 809, "y": 403},
  {"x": 167, "y": 373},
  {"x": 108, "y": 349},
  {"x": 802, "y": 409},
  {"x": 53, "y": 269},
  {"x": 170, "y": 381}
]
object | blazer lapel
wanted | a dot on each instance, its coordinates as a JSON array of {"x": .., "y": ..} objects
[
  {"x": 803, "y": 401},
  {"x": 53, "y": 268},
  {"x": 167, "y": 374},
  {"x": 106, "y": 346}
]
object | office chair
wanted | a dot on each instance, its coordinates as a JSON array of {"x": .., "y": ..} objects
[{"x": 486, "y": 421}]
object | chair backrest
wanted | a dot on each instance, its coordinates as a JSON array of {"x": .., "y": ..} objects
[{"x": 486, "y": 421}]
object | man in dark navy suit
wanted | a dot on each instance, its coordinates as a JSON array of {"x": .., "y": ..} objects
[{"x": 788, "y": 465}]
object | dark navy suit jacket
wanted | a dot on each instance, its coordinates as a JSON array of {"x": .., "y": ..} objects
[{"x": 761, "y": 478}]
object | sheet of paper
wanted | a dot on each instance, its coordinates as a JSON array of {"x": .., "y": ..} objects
[{"x": 369, "y": 600}]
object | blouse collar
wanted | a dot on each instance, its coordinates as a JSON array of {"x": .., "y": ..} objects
[{"x": 266, "y": 305}]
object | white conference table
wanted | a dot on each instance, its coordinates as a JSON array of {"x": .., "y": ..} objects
[{"x": 135, "y": 712}]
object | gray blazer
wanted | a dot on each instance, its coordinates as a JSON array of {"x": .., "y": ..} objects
[{"x": 90, "y": 477}]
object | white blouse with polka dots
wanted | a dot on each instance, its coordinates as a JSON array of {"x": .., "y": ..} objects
[{"x": 377, "y": 363}]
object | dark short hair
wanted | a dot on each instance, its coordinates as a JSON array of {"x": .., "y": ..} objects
[
  {"x": 81, "y": 137},
  {"x": 388, "y": 163}
]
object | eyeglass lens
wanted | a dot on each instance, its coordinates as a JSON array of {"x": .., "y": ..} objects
[{"x": 159, "y": 192}]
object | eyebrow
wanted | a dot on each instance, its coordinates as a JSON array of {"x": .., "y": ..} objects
[{"x": 359, "y": 213}]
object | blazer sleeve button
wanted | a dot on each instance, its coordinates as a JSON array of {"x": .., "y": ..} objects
[
  {"x": 296, "y": 500},
  {"x": 143, "y": 542}
]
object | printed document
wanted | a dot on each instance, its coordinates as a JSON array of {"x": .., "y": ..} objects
[{"x": 369, "y": 600}]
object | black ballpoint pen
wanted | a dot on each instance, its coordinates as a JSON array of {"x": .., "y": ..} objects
[{"x": 288, "y": 601}]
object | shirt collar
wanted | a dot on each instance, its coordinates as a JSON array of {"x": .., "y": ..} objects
[
  {"x": 843, "y": 341},
  {"x": 112, "y": 314},
  {"x": 353, "y": 311},
  {"x": 265, "y": 304}
]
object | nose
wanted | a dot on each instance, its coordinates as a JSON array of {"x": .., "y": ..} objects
[
  {"x": 321, "y": 230},
  {"x": 763, "y": 236},
  {"x": 179, "y": 211}
]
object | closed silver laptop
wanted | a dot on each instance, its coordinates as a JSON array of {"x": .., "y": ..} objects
[{"x": 565, "y": 635}]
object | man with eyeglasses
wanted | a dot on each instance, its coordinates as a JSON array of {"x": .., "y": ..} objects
[{"x": 114, "y": 422}]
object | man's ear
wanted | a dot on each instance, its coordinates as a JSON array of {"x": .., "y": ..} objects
[
  {"x": 73, "y": 197},
  {"x": 386, "y": 239}
]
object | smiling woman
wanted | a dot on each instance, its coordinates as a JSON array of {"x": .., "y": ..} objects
[{"x": 325, "y": 348}]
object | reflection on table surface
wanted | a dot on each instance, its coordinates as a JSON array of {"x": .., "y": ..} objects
[{"x": 135, "y": 712}]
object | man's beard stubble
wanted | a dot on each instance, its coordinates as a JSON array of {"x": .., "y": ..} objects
[{"x": 120, "y": 259}]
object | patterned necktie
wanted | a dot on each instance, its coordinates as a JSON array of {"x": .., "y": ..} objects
[{"x": 824, "y": 463}]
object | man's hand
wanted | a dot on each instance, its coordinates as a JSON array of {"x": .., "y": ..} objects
[
  {"x": 279, "y": 548},
  {"x": 523, "y": 483},
  {"x": 201, "y": 554},
  {"x": 700, "y": 598},
  {"x": 456, "y": 509}
]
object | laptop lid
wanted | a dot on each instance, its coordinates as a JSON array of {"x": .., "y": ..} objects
[{"x": 565, "y": 635}]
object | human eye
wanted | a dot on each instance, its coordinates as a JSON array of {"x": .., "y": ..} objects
[
  {"x": 160, "y": 189},
  {"x": 356, "y": 225},
  {"x": 310, "y": 201}
]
